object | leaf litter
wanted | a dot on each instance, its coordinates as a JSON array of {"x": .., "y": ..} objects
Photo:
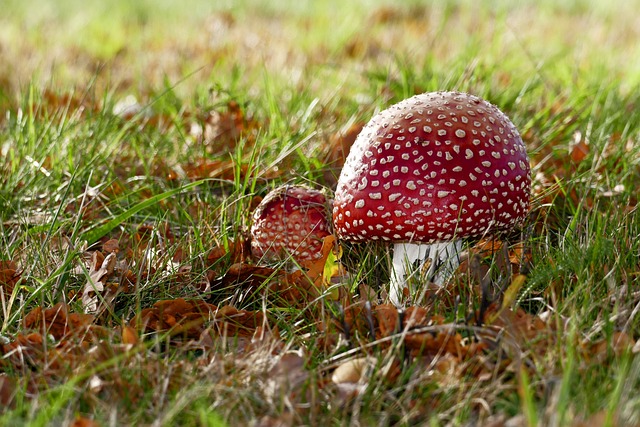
[{"x": 349, "y": 331}]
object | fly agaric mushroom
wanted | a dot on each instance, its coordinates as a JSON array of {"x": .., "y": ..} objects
[
  {"x": 427, "y": 172},
  {"x": 290, "y": 220}
]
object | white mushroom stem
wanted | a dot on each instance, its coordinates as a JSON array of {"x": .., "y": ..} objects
[{"x": 443, "y": 258}]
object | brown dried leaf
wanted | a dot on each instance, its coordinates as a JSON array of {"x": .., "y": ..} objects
[
  {"x": 229, "y": 321},
  {"x": 84, "y": 422},
  {"x": 238, "y": 251},
  {"x": 579, "y": 149},
  {"x": 208, "y": 168},
  {"x": 9, "y": 276},
  {"x": 526, "y": 330},
  {"x": 387, "y": 318},
  {"x": 24, "y": 350},
  {"x": 599, "y": 351},
  {"x": 129, "y": 335},
  {"x": 223, "y": 129},
  {"x": 57, "y": 321},
  {"x": 176, "y": 316},
  {"x": 320, "y": 271},
  {"x": 110, "y": 246},
  {"x": 442, "y": 342},
  {"x": 7, "y": 390}
]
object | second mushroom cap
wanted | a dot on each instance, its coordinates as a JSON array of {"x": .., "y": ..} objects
[{"x": 290, "y": 220}]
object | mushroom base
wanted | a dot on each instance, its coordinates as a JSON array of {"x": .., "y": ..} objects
[{"x": 410, "y": 260}]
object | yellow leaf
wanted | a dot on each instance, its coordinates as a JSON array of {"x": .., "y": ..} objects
[{"x": 510, "y": 296}]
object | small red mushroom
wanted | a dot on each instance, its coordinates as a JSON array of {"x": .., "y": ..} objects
[
  {"x": 427, "y": 172},
  {"x": 290, "y": 221}
]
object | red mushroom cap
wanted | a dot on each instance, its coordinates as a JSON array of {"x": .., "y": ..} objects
[
  {"x": 290, "y": 220},
  {"x": 433, "y": 167}
]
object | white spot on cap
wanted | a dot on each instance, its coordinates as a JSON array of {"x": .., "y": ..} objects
[
  {"x": 460, "y": 133},
  {"x": 363, "y": 184},
  {"x": 360, "y": 204}
]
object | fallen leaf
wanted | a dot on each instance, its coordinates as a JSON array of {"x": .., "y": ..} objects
[
  {"x": 352, "y": 377},
  {"x": 579, "y": 149},
  {"x": 100, "y": 270},
  {"x": 223, "y": 129},
  {"x": 509, "y": 297},
  {"x": 9, "y": 276},
  {"x": 84, "y": 422},
  {"x": 353, "y": 370},
  {"x": 178, "y": 316},
  {"x": 599, "y": 351},
  {"x": 111, "y": 245},
  {"x": 229, "y": 321},
  {"x": 524, "y": 331},
  {"x": 213, "y": 168},
  {"x": 238, "y": 251},
  {"x": 129, "y": 335},
  {"x": 57, "y": 321},
  {"x": 7, "y": 390},
  {"x": 322, "y": 270}
]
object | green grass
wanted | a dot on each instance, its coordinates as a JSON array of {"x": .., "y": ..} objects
[{"x": 73, "y": 175}]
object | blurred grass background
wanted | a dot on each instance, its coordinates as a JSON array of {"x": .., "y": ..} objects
[{"x": 136, "y": 46}]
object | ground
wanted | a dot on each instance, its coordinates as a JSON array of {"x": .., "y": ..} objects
[{"x": 137, "y": 139}]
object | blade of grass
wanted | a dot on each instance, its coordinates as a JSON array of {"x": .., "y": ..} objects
[{"x": 98, "y": 232}]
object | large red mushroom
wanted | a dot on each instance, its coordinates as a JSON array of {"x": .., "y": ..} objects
[
  {"x": 290, "y": 221},
  {"x": 428, "y": 172}
]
